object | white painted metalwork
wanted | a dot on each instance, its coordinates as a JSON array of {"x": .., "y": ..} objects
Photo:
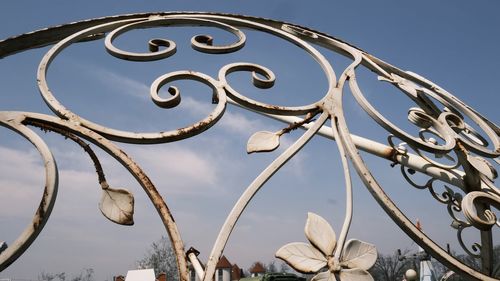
[{"x": 471, "y": 175}]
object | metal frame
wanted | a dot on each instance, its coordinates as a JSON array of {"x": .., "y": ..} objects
[{"x": 471, "y": 175}]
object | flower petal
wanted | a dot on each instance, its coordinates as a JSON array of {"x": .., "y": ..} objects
[
  {"x": 355, "y": 274},
  {"x": 324, "y": 276},
  {"x": 302, "y": 257},
  {"x": 117, "y": 205},
  {"x": 263, "y": 141},
  {"x": 320, "y": 233},
  {"x": 358, "y": 254}
]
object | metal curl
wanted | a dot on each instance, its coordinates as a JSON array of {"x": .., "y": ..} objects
[
  {"x": 132, "y": 137},
  {"x": 450, "y": 124},
  {"x": 218, "y": 97},
  {"x": 418, "y": 117},
  {"x": 479, "y": 216},
  {"x": 413, "y": 183},
  {"x": 153, "y": 45},
  {"x": 456, "y": 163},
  {"x": 435, "y": 163},
  {"x": 401, "y": 134},
  {"x": 453, "y": 209},
  {"x": 473, "y": 136},
  {"x": 476, "y": 248},
  {"x": 455, "y": 106},
  {"x": 202, "y": 43},
  {"x": 448, "y": 197},
  {"x": 267, "y": 82}
]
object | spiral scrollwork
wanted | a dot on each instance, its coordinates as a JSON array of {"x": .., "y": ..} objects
[
  {"x": 202, "y": 43},
  {"x": 474, "y": 250},
  {"x": 475, "y": 212}
]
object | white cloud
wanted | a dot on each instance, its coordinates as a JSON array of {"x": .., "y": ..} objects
[
  {"x": 114, "y": 80},
  {"x": 22, "y": 178},
  {"x": 122, "y": 83},
  {"x": 179, "y": 169}
]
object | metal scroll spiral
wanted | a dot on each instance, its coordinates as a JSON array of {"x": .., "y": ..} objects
[{"x": 444, "y": 120}]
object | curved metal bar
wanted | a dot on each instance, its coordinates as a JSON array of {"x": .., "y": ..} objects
[
  {"x": 202, "y": 43},
  {"x": 117, "y": 135},
  {"x": 42, "y": 214},
  {"x": 393, "y": 129},
  {"x": 453, "y": 102},
  {"x": 113, "y": 150},
  {"x": 487, "y": 218},
  {"x": 250, "y": 192},
  {"x": 394, "y": 212}
]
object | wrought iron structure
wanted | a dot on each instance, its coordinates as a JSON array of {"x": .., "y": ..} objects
[{"x": 440, "y": 117}]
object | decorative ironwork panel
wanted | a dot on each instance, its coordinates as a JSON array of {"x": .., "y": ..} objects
[{"x": 446, "y": 128}]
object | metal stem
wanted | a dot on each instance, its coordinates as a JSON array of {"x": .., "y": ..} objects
[{"x": 252, "y": 189}]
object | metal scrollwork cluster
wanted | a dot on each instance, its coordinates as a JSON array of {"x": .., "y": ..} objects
[{"x": 470, "y": 194}]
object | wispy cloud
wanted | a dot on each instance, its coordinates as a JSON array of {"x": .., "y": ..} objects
[
  {"x": 22, "y": 180},
  {"x": 180, "y": 169},
  {"x": 231, "y": 121},
  {"x": 114, "y": 80}
]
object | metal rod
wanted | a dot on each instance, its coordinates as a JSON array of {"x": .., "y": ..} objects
[{"x": 409, "y": 160}]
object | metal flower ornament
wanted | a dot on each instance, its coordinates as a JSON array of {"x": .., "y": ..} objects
[{"x": 342, "y": 262}]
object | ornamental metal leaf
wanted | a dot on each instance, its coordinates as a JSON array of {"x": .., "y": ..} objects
[
  {"x": 324, "y": 276},
  {"x": 359, "y": 254},
  {"x": 355, "y": 274},
  {"x": 263, "y": 141},
  {"x": 320, "y": 233},
  {"x": 117, "y": 205},
  {"x": 302, "y": 257}
]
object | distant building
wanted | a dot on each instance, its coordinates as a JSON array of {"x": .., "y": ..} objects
[
  {"x": 257, "y": 270},
  {"x": 160, "y": 277},
  {"x": 224, "y": 271},
  {"x": 236, "y": 273}
]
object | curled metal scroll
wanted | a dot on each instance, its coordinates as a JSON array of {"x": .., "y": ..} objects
[{"x": 469, "y": 149}]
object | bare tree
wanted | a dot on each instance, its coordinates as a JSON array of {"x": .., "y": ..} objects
[
  {"x": 45, "y": 276},
  {"x": 87, "y": 274},
  {"x": 160, "y": 256},
  {"x": 474, "y": 263},
  {"x": 284, "y": 267},
  {"x": 271, "y": 267},
  {"x": 390, "y": 267}
]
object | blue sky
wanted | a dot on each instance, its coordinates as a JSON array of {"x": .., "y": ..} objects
[{"x": 452, "y": 43}]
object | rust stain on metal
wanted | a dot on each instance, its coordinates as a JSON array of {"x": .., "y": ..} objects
[{"x": 40, "y": 213}]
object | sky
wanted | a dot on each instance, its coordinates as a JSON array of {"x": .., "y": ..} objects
[{"x": 452, "y": 43}]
